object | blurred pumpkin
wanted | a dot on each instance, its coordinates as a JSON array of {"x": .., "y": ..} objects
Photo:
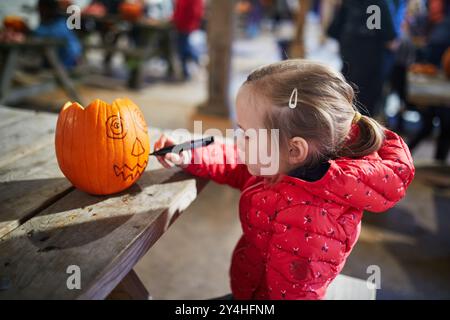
[
  {"x": 424, "y": 68},
  {"x": 15, "y": 23},
  {"x": 64, "y": 4},
  {"x": 243, "y": 7},
  {"x": 131, "y": 10},
  {"x": 446, "y": 62},
  {"x": 95, "y": 9},
  {"x": 102, "y": 149}
]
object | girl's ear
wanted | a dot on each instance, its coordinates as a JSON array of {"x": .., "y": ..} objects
[{"x": 298, "y": 150}]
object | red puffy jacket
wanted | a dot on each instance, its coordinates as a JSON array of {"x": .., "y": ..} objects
[
  {"x": 298, "y": 234},
  {"x": 187, "y": 15}
]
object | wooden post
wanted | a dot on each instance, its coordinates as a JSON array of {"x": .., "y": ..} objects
[
  {"x": 220, "y": 35},
  {"x": 130, "y": 288},
  {"x": 297, "y": 49},
  {"x": 7, "y": 73}
]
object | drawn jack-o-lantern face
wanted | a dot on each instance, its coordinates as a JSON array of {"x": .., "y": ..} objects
[{"x": 102, "y": 149}]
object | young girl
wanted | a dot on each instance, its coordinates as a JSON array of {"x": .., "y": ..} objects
[{"x": 301, "y": 223}]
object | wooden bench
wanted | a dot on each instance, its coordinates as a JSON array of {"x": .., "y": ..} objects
[{"x": 48, "y": 48}]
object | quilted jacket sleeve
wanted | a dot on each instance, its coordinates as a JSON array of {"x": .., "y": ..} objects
[
  {"x": 219, "y": 163},
  {"x": 386, "y": 176},
  {"x": 375, "y": 182}
]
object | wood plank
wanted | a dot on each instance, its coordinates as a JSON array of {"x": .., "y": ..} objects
[
  {"x": 35, "y": 43},
  {"x": 27, "y": 136},
  {"x": 28, "y": 185},
  {"x": 31, "y": 179},
  {"x": 33, "y": 183},
  {"x": 10, "y": 115},
  {"x": 104, "y": 236},
  {"x": 17, "y": 94},
  {"x": 130, "y": 288}
]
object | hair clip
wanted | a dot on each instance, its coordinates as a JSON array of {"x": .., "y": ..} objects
[{"x": 294, "y": 96}]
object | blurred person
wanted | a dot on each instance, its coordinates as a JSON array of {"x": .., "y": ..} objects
[
  {"x": 396, "y": 61},
  {"x": 362, "y": 49},
  {"x": 187, "y": 17},
  {"x": 397, "y": 8},
  {"x": 437, "y": 42},
  {"x": 438, "y": 39},
  {"x": 254, "y": 18},
  {"x": 53, "y": 24},
  {"x": 428, "y": 115},
  {"x": 282, "y": 14}
]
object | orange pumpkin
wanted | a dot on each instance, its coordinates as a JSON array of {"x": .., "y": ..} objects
[
  {"x": 102, "y": 149},
  {"x": 131, "y": 11},
  {"x": 15, "y": 23},
  {"x": 446, "y": 62},
  {"x": 243, "y": 7}
]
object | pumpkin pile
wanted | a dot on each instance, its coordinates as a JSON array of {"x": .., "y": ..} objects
[
  {"x": 103, "y": 148},
  {"x": 95, "y": 9}
]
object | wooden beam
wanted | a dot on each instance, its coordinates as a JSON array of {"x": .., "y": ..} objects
[
  {"x": 130, "y": 288},
  {"x": 220, "y": 35},
  {"x": 297, "y": 48}
]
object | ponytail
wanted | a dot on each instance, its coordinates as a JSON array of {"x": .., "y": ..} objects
[{"x": 369, "y": 139}]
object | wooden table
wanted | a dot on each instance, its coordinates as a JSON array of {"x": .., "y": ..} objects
[
  {"x": 425, "y": 91},
  {"x": 46, "y": 225},
  {"x": 48, "y": 48},
  {"x": 151, "y": 38}
]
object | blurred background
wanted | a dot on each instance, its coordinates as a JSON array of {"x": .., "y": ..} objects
[{"x": 184, "y": 60}]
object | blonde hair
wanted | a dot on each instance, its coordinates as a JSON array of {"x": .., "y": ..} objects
[{"x": 323, "y": 112}]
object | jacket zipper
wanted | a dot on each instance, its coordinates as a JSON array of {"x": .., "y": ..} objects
[{"x": 242, "y": 194}]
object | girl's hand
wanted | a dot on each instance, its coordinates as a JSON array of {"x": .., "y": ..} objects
[{"x": 180, "y": 160}]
